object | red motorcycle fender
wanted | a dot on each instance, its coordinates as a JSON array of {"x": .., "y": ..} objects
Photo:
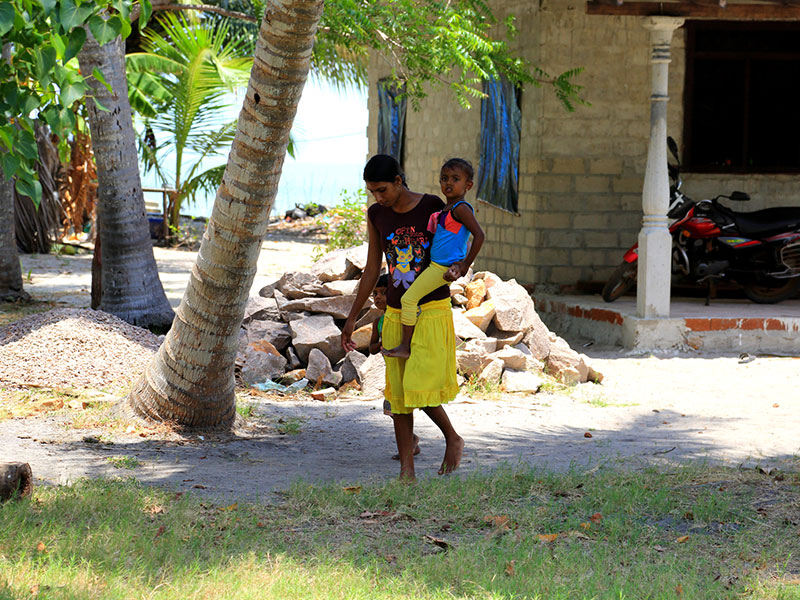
[{"x": 632, "y": 255}]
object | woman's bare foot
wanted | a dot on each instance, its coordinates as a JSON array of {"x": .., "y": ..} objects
[
  {"x": 399, "y": 351},
  {"x": 416, "y": 448},
  {"x": 452, "y": 455}
]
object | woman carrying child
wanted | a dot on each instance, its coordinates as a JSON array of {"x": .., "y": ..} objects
[
  {"x": 397, "y": 225},
  {"x": 452, "y": 227}
]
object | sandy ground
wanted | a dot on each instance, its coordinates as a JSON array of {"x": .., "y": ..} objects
[
  {"x": 68, "y": 279},
  {"x": 648, "y": 411}
]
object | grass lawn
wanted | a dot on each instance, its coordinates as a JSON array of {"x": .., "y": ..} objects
[{"x": 691, "y": 532}]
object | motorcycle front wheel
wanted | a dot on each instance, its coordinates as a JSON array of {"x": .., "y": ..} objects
[
  {"x": 621, "y": 280},
  {"x": 768, "y": 290}
]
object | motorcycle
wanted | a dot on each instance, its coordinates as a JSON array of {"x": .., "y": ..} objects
[{"x": 758, "y": 250}]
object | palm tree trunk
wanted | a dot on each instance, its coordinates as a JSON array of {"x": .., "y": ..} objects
[
  {"x": 190, "y": 381},
  {"x": 10, "y": 270},
  {"x": 131, "y": 288}
]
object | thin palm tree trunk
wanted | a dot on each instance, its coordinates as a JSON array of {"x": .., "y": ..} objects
[
  {"x": 190, "y": 381},
  {"x": 10, "y": 270},
  {"x": 131, "y": 288}
]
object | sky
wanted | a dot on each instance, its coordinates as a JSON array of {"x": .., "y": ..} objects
[{"x": 330, "y": 133}]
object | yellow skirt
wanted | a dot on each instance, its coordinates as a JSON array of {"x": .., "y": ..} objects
[{"x": 428, "y": 376}]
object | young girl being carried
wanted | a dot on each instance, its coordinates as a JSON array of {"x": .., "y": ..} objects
[{"x": 449, "y": 256}]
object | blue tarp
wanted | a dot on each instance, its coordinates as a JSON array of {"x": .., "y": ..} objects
[
  {"x": 391, "y": 118},
  {"x": 501, "y": 121}
]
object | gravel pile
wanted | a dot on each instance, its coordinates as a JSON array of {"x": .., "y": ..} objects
[{"x": 73, "y": 348}]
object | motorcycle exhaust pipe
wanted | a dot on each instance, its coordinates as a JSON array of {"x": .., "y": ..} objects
[{"x": 711, "y": 269}]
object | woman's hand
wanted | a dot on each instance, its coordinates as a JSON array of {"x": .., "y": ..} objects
[{"x": 347, "y": 336}]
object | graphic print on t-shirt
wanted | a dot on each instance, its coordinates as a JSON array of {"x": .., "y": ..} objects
[{"x": 405, "y": 250}]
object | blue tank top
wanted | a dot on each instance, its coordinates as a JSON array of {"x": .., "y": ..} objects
[{"x": 450, "y": 237}]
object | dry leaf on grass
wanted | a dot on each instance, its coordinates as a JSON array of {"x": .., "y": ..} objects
[
  {"x": 40, "y": 547},
  {"x": 509, "y": 570},
  {"x": 596, "y": 517},
  {"x": 438, "y": 542},
  {"x": 683, "y": 539},
  {"x": 352, "y": 489},
  {"x": 548, "y": 538}
]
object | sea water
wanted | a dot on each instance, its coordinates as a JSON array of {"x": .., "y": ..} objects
[{"x": 330, "y": 150}]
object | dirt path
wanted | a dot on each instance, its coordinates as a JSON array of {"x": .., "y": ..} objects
[{"x": 649, "y": 410}]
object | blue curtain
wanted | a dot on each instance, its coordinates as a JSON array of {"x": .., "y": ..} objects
[
  {"x": 391, "y": 118},
  {"x": 498, "y": 177}
]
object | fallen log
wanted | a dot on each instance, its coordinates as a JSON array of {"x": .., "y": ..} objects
[{"x": 16, "y": 481}]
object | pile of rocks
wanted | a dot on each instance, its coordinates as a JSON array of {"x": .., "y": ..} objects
[{"x": 292, "y": 330}]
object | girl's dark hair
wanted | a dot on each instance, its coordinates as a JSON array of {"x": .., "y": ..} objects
[
  {"x": 383, "y": 167},
  {"x": 383, "y": 281},
  {"x": 462, "y": 164}
]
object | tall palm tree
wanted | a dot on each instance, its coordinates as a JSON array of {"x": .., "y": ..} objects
[
  {"x": 190, "y": 380},
  {"x": 130, "y": 285},
  {"x": 10, "y": 270},
  {"x": 178, "y": 84}
]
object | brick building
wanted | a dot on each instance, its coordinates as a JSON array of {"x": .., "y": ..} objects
[{"x": 581, "y": 174}]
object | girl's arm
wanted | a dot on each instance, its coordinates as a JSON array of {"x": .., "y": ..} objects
[
  {"x": 368, "y": 280},
  {"x": 464, "y": 214},
  {"x": 375, "y": 340}
]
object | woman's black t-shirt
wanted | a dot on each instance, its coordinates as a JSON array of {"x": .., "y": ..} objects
[{"x": 406, "y": 244}]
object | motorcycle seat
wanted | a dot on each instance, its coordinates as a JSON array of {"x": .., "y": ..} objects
[{"x": 767, "y": 222}]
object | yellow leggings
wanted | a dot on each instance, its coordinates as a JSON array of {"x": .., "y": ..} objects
[{"x": 427, "y": 281}]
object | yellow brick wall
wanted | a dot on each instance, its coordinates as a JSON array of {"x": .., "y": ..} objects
[{"x": 581, "y": 173}]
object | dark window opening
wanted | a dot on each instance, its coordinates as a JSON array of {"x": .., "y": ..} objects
[
  {"x": 740, "y": 105},
  {"x": 501, "y": 120}
]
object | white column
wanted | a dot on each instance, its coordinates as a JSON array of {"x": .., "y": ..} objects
[{"x": 655, "y": 242}]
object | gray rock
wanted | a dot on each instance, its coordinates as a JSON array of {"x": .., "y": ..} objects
[
  {"x": 319, "y": 332},
  {"x": 260, "y": 366},
  {"x": 319, "y": 369},
  {"x": 472, "y": 360},
  {"x": 372, "y": 376},
  {"x": 505, "y": 338},
  {"x": 268, "y": 290},
  {"x": 337, "y": 265},
  {"x": 459, "y": 299},
  {"x": 351, "y": 364},
  {"x": 563, "y": 362},
  {"x": 336, "y": 306},
  {"x": 531, "y": 363},
  {"x": 298, "y": 285},
  {"x": 511, "y": 358},
  {"x": 456, "y": 288},
  {"x": 485, "y": 345},
  {"x": 358, "y": 255},
  {"x": 260, "y": 309},
  {"x": 368, "y": 317},
  {"x": 493, "y": 371},
  {"x": 277, "y": 333},
  {"x": 465, "y": 330},
  {"x": 521, "y": 381},
  {"x": 513, "y": 306},
  {"x": 538, "y": 338},
  {"x": 346, "y": 287}
]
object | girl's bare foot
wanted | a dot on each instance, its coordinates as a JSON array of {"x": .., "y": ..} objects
[
  {"x": 407, "y": 475},
  {"x": 416, "y": 448},
  {"x": 452, "y": 455},
  {"x": 400, "y": 351}
]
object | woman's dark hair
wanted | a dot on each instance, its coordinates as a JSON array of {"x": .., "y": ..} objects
[
  {"x": 462, "y": 164},
  {"x": 383, "y": 167}
]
